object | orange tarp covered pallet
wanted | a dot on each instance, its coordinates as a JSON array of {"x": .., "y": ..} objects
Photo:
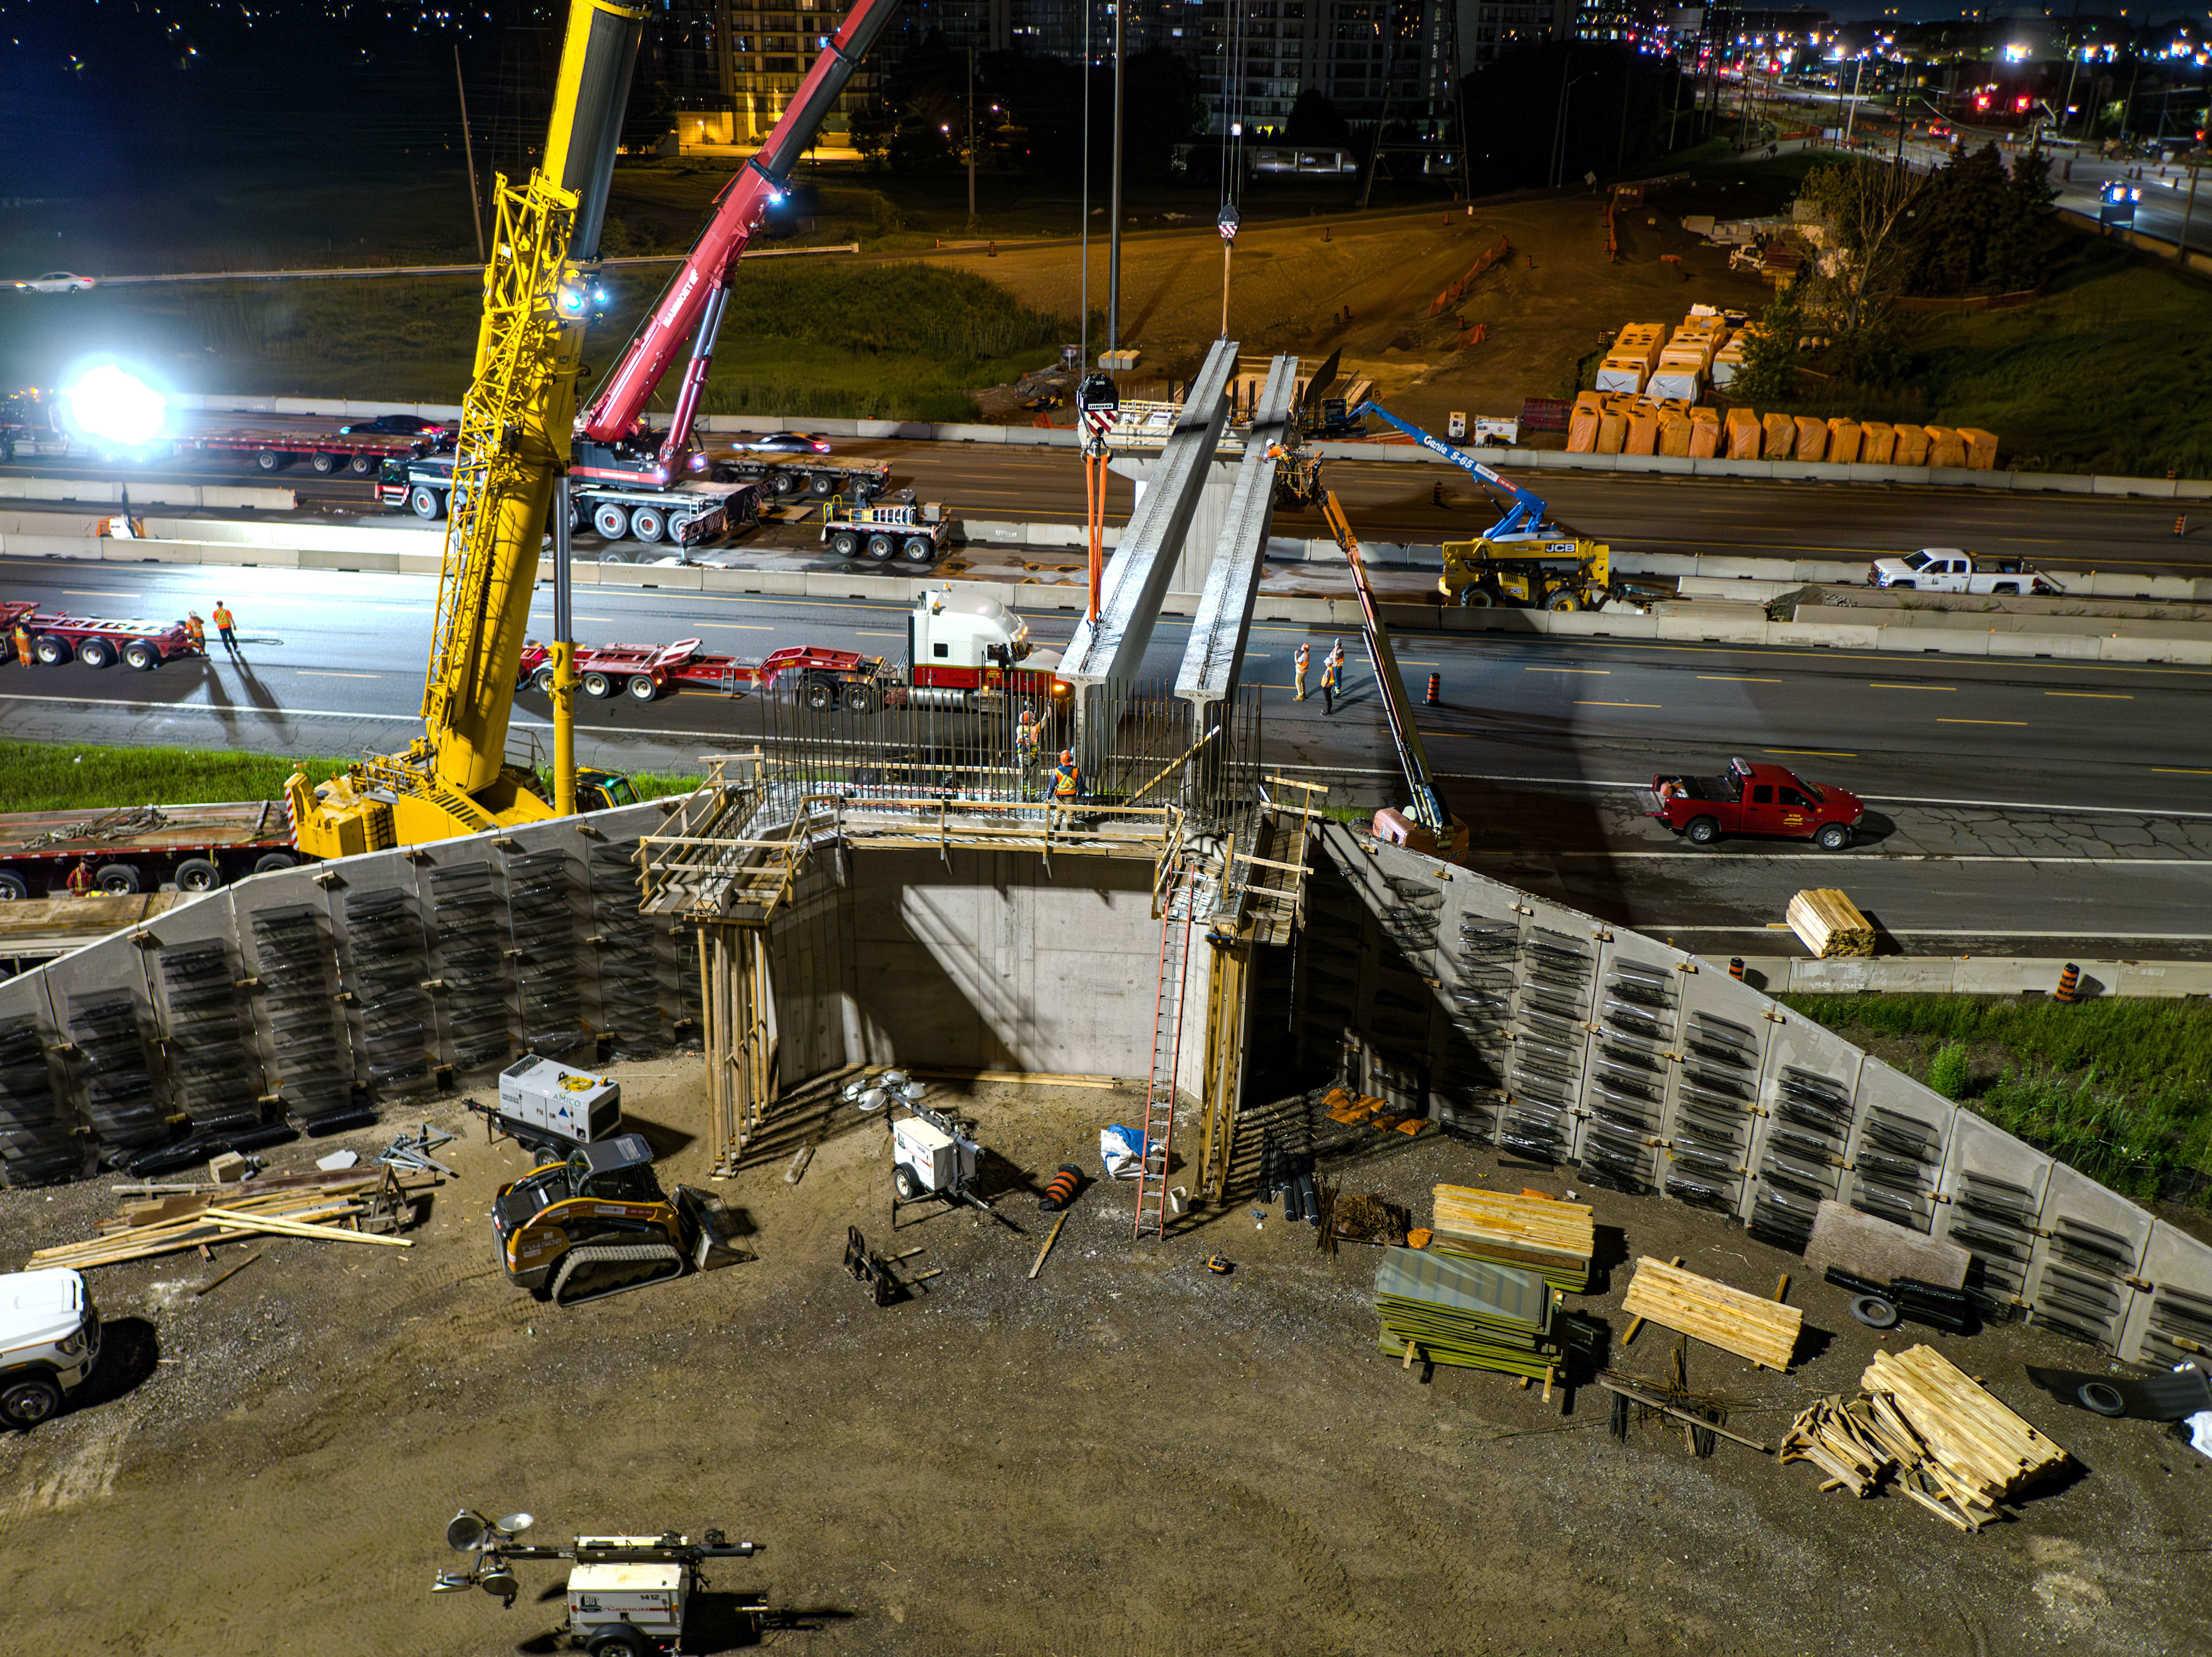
[
  {"x": 1643, "y": 431},
  {"x": 1611, "y": 431},
  {"x": 1744, "y": 435},
  {"x": 1582, "y": 424},
  {"x": 1877, "y": 442},
  {"x": 1945, "y": 447},
  {"x": 1911, "y": 447},
  {"x": 1673, "y": 432},
  {"x": 1781, "y": 436},
  {"x": 1705, "y": 433},
  {"x": 1812, "y": 438},
  {"x": 1843, "y": 441},
  {"x": 1981, "y": 447}
]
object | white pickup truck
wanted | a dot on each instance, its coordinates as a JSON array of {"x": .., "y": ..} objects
[
  {"x": 1953, "y": 569},
  {"x": 49, "y": 1343}
]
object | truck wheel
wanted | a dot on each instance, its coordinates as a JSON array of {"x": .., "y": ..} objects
[
  {"x": 611, "y": 520},
  {"x": 96, "y": 653},
  {"x": 919, "y": 549},
  {"x": 859, "y": 699},
  {"x": 50, "y": 651},
  {"x": 118, "y": 880},
  {"x": 641, "y": 687},
  {"x": 1477, "y": 598},
  {"x": 361, "y": 465},
  {"x": 323, "y": 464},
  {"x": 821, "y": 695},
  {"x": 2011, "y": 589},
  {"x": 425, "y": 502},
  {"x": 824, "y": 484},
  {"x": 880, "y": 547},
  {"x": 784, "y": 483},
  {"x": 26, "y": 1400},
  {"x": 844, "y": 543},
  {"x": 197, "y": 874},
  {"x": 269, "y": 461},
  {"x": 905, "y": 1183},
  {"x": 619, "y": 1642},
  {"x": 1563, "y": 600},
  {"x": 142, "y": 655},
  {"x": 599, "y": 685},
  {"x": 542, "y": 680},
  {"x": 1702, "y": 831},
  {"x": 14, "y": 888},
  {"x": 1832, "y": 837},
  {"x": 271, "y": 862},
  {"x": 647, "y": 525}
]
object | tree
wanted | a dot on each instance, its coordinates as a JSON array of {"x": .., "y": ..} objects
[
  {"x": 1315, "y": 119},
  {"x": 1771, "y": 356},
  {"x": 1868, "y": 203}
]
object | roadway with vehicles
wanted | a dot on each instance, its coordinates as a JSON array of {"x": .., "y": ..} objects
[{"x": 1547, "y": 744}]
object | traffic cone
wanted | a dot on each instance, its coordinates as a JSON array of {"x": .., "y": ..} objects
[
  {"x": 2069, "y": 983},
  {"x": 1436, "y": 689},
  {"x": 1060, "y": 1191},
  {"x": 1735, "y": 968},
  {"x": 2181, "y": 526}
]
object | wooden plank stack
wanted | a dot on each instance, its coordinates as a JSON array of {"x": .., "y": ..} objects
[
  {"x": 1554, "y": 1239},
  {"x": 319, "y": 1210},
  {"x": 1764, "y": 1332},
  {"x": 1464, "y": 1312},
  {"x": 1829, "y": 924},
  {"x": 1956, "y": 1451}
]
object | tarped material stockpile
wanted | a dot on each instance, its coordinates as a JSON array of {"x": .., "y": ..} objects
[{"x": 1465, "y": 1312}]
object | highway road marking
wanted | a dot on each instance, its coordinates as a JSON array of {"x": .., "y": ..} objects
[
  {"x": 98, "y": 593},
  {"x": 858, "y": 634},
  {"x": 1739, "y": 678},
  {"x": 2177, "y": 771},
  {"x": 1818, "y": 753},
  {"x": 1567, "y": 670},
  {"x": 1877, "y": 686},
  {"x": 1617, "y": 705},
  {"x": 1940, "y": 719},
  {"x": 734, "y": 626},
  {"x": 331, "y": 672},
  {"x": 2099, "y": 696}
]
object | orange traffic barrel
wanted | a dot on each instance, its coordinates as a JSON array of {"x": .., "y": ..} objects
[
  {"x": 1436, "y": 689},
  {"x": 1060, "y": 1191},
  {"x": 2070, "y": 982}
]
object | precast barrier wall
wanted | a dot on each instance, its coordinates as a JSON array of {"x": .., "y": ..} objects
[
  {"x": 308, "y": 998},
  {"x": 1555, "y": 1036}
]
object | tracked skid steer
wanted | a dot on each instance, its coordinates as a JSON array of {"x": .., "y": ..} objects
[{"x": 597, "y": 1222}]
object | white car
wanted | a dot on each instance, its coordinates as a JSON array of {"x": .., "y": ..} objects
[
  {"x": 1953, "y": 569},
  {"x": 49, "y": 1343},
  {"x": 55, "y": 282}
]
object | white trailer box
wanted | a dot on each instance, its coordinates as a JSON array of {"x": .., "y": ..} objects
[
  {"x": 541, "y": 1099},
  {"x": 648, "y": 1598}
]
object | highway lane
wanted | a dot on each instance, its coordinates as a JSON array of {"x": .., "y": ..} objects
[
  {"x": 1393, "y": 502},
  {"x": 2059, "y": 799}
]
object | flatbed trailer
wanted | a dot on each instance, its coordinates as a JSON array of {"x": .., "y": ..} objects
[
  {"x": 915, "y": 532},
  {"x": 818, "y": 477},
  {"x": 136, "y": 848},
  {"x": 685, "y": 513},
  {"x": 58, "y": 637},
  {"x": 272, "y": 448},
  {"x": 647, "y": 672}
]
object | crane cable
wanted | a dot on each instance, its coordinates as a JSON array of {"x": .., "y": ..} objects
[{"x": 1234, "y": 53}]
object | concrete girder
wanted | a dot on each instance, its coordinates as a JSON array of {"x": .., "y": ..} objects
[
  {"x": 1213, "y": 660},
  {"x": 1112, "y": 650}
]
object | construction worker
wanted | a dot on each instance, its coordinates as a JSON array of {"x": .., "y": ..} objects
[
  {"x": 24, "y": 645},
  {"x": 1025, "y": 748},
  {"x": 224, "y": 621},
  {"x": 196, "y": 630},
  {"x": 80, "y": 878},
  {"x": 1332, "y": 677},
  {"x": 1066, "y": 779},
  {"x": 1304, "y": 655}
]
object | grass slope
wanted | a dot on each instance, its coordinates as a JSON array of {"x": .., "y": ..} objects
[
  {"x": 59, "y": 776},
  {"x": 2120, "y": 1090}
]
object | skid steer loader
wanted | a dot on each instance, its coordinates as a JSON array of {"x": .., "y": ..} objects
[{"x": 597, "y": 1223}]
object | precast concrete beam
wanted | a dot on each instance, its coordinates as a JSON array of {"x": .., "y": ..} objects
[
  {"x": 1111, "y": 650},
  {"x": 1213, "y": 660}
]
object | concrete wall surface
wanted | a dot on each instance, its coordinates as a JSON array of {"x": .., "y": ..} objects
[{"x": 1560, "y": 1037}]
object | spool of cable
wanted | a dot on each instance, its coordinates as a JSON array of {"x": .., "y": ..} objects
[{"x": 1060, "y": 1190}]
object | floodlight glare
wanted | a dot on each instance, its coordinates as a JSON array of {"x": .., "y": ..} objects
[{"x": 107, "y": 402}]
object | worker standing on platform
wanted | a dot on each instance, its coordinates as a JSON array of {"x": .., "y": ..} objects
[
  {"x": 196, "y": 630},
  {"x": 24, "y": 645},
  {"x": 1066, "y": 779},
  {"x": 80, "y": 878},
  {"x": 1025, "y": 750},
  {"x": 224, "y": 621},
  {"x": 1304, "y": 655}
]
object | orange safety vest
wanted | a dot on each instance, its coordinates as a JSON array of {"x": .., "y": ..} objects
[
  {"x": 1329, "y": 673},
  {"x": 196, "y": 631},
  {"x": 23, "y": 646},
  {"x": 223, "y": 618},
  {"x": 1066, "y": 782},
  {"x": 1025, "y": 742},
  {"x": 80, "y": 879}
]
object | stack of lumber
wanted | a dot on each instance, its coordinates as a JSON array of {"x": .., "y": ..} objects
[
  {"x": 1552, "y": 1239},
  {"x": 1764, "y": 1332},
  {"x": 314, "y": 1207},
  {"x": 1365, "y": 1111},
  {"x": 1464, "y": 1312},
  {"x": 1829, "y": 924},
  {"x": 1979, "y": 1452}
]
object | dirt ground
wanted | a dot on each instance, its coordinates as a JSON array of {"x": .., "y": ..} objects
[
  {"x": 1552, "y": 302},
  {"x": 1127, "y": 1454}
]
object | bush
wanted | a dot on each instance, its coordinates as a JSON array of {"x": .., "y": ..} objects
[{"x": 1951, "y": 1069}]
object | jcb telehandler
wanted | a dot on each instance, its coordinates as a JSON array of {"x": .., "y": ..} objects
[{"x": 597, "y": 1222}]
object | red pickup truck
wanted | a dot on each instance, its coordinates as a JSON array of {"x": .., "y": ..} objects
[{"x": 1749, "y": 799}]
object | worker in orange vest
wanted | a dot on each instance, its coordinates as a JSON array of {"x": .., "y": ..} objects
[
  {"x": 80, "y": 878},
  {"x": 1066, "y": 779},
  {"x": 1025, "y": 748},
  {"x": 196, "y": 630},
  {"x": 24, "y": 645},
  {"x": 224, "y": 621},
  {"x": 1329, "y": 682},
  {"x": 1304, "y": 656}
]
